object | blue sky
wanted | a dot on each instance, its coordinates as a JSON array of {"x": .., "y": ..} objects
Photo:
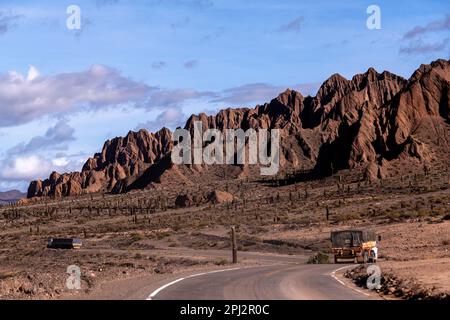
[{"x": 152, "y": 63}]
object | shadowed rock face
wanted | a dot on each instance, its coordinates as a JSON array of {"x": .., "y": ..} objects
[
  {"x": 366, "y": 122},
  {"x": 122, "y": 159}
]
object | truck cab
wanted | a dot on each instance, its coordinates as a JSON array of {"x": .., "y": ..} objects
[{"x": 358, "y": 245}]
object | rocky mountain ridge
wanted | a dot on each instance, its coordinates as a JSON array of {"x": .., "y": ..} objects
[{"x": 375, "y": 122}]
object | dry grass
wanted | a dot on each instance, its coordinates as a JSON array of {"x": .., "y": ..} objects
[{"x": 119, "y": 231}]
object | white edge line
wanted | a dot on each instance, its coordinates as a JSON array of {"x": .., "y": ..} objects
[
  {"x": 154, "y": 293},
  {"x": 333, "y": 274}
]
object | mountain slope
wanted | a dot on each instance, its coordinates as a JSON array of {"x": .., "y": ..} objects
[{"x": 11, "y": 196}]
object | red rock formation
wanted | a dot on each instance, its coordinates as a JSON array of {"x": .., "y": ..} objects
[
  {"x": 122, "y": 160},
  {"x": 367, "y": 122}
]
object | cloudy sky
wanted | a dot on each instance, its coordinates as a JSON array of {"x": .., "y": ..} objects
[{"x": 147, "y": 64}]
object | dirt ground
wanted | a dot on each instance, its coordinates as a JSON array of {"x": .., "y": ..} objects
[{"x": 143, "y": 233}]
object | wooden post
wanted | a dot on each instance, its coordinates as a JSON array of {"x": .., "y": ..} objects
[{"x": 233, "y": 244}]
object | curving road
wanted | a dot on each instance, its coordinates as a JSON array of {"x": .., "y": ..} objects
[{"x": 272, "y": 282}]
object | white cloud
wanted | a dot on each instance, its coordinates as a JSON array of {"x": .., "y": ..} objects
[
  {"x": 174, "y": 97},
  {"x": 60, "y": 162},
  {"x": 434, "y": 26},
  {"x": 56, "y": 137},
  {"x": 22, "y": 169},
  {"x": 23, "y": 99},
  {"x": 260, "y": 92},
  {"x": 170, "y": 117},
  {"x": 33, "y": 73},
  {"x": 26, "y": 161},
  {"x": 25, "y": 168}
]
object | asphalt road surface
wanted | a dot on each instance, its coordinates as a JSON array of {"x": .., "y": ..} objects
[{"x": 282, "y": 281}]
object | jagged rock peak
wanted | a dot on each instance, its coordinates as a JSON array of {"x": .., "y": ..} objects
[{"x": 371, "y": 120}]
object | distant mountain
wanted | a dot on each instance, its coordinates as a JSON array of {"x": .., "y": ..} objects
[
  {"x": 378, "y": 123},
  {"x": 11, "y": 196}
]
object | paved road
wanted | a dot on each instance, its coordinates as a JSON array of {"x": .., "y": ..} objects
[
  {"x": 258, "y": 276},
  {"x": 282, "y": 281}
]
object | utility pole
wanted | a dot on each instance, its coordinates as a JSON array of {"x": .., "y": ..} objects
[{"x": 233, "y": 244}]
